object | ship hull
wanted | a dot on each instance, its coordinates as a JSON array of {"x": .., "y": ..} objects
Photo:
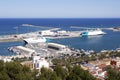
[
  {"x": 35, "y": 40},
  {"x": 93, "y": 33}
]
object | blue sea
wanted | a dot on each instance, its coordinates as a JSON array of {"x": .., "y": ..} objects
[{"x": 109, "y": 41}]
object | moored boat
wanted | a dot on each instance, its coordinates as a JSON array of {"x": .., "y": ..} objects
[
  {"x": 35, "y": 40},
  {"x": 92, "y": 32}
]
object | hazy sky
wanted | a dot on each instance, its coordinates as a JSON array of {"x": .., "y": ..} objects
[{"x": 59, "y": 8}]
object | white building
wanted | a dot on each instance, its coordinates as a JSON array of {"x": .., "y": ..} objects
[
  {"x": 5, "y": 59},
  {"x": 58, "y": 47},
  {"x": 38, "y": 63}
]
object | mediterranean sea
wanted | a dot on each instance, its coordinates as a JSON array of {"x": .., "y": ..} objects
[{"x": 109, "y": 41}]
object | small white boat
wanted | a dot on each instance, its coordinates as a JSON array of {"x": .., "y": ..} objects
[
  {"x": 35, "y": 40},
  {"x": 92, "y": 32}
]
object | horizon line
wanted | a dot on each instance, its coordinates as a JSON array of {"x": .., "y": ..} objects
[{"x": 62, "y": 18}]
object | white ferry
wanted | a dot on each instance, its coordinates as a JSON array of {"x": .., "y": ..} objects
[
  {"x": 92, "y": 32},
  {"x": 35, "y": 40}
]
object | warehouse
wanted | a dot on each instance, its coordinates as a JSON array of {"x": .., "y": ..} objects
[{"x": 56, "y": 46}]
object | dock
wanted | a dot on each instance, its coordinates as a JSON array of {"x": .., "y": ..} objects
[
  {"x": 56, "y": 35},
  {"x": 41, "y": 49},
  {"x": 9, "y": 38}
]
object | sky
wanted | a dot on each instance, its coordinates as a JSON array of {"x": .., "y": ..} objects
[{"x": 59, "y": 8}]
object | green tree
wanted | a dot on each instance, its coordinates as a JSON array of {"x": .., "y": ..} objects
[
  {"x": 48, "y": 74},
  {"x": 61, "y": 72},
  {"x": 34, "y": 74},
  {"x": 18, "y": 72},
  {"x": 1, "y": 65},
  {"x": 73, "y": 76},
  {"x": 112, "y": 74},
  {"x": 4, "y": 76},
  {"x": 23, "y": 76},
  {"x": 12, "y": 69},
  {"x": 82, "y": 74}
]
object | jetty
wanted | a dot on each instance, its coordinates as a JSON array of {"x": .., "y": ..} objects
[
  {"x": 56, "y": 34},
  {"x": 105, "y": 28}
]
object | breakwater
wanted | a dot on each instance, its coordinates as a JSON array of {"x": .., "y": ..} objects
[{"x": 56, "y": 35}]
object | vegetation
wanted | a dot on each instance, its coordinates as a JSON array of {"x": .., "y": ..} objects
[
  {"x": 85, "y": 58},
  {"x": 112, "y": 74},
  {"x": 16, "y": 71},
  {"x": 78, "y": 73},
  {"x": 22, "y": 59},
  {"x": 60, "y": 73}
]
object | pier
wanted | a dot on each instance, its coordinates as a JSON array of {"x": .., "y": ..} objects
[
  {"x": 55, "y": 35},
  {"x": 110, "y": 28},
  {"x": 12, "y": 38},
  {"x": 41, "y": 49}
]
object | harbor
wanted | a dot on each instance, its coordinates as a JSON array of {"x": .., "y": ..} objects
[
  {"x": 54, "y": 33},
  {"x": 45, "y": 48},
  {"x": 34, "y": 38},
  {"x": 37, "y": 43}
]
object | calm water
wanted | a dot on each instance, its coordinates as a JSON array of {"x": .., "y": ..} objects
[{"x": 109, "y": 41}]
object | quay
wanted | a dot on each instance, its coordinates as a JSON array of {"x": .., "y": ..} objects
[
  {"x": 41, "y": 49},
  {"x": 51, "y": 34},
  {"x": 10, "y": 39}
]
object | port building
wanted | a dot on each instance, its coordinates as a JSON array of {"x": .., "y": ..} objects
[{"x": 56, "y": 46}]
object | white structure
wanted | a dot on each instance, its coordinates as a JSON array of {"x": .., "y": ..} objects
[
  {"x": 35, "y": 40},
  {"x": 38, "y": 63},
  {"x": 118, "y": 49},
  {"x": 93, "y": 32},
  {"x": 47, "y": 33},
  {"x": 61, "y": 32},
  {"x": 5, "y": 59},
  {"x": 26, "y": 49},
  {"x": 56, "y": 46}
]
